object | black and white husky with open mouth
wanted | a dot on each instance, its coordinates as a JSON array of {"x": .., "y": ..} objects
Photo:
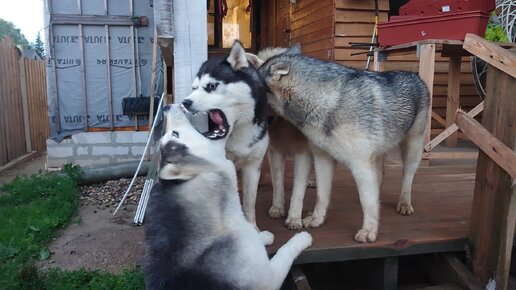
[
  {"x": 196, "y": 235},
  {"x": 231, "y": 91}
]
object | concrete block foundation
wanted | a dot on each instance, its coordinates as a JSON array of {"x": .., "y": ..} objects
[{"x": 97, "y": 148}]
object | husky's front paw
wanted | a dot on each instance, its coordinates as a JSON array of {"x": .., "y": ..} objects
[
  {"x": 366, "y": 235},
  {"x": 313, "y": 221},
  {"x": 303, "y": 239},
  {"x": 267, "y": 238},
  {"x": 294, "y": 223},
  {"x": 276, "y": 212},
  {"x": 404, "y": 208}
]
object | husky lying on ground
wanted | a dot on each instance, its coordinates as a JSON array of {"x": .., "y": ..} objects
[
  {"x": 230, "y": 89},
  {"x": 354, "y": 117},
  {"x": 196, "y": 235},
  {"x": 285, "y": 140}
]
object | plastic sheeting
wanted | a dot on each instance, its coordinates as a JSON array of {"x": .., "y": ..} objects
[{"x": 130, "y": 75}]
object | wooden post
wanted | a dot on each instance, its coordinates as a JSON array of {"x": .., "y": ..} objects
[
  {"x": 384, "y": 274},
  {"x": 379, "y": 61},
  {"x": 494, "y": 203},
  {"x": 25, "y": 105},
  {"x": 426, "y": 72},
  {"x": 452, "y": 101}
]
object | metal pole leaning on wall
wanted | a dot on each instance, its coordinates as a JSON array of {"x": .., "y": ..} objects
[
  {"x": 83, "y": 70},
  {"x": 108, "y": 66}
]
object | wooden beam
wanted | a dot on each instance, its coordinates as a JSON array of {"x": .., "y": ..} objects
[
  {"x": 494, "y": 201},
  {"x": 450, "y": 155},
  {"x": 438, "y": 118},
  {"x": 452, "y": 101},
  {"x": 491, "y": 53},
  {"x": 25, "y": 105},
  {"x": 384, "y": 274},
  {"x": 426, "y": 72},
  {"x": 448, "y": 268},
  {"x": 17, "y": 161},
  {"x": 504, "y": 156},
  {"x": 448, "y": 131},
  {"x": 112, "y": 20},
  {"x": 299, "y": 280}
]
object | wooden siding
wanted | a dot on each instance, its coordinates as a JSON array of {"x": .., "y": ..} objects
[
  {"x": 309, "y": 23},
  {"x": 312, "y": 24}
]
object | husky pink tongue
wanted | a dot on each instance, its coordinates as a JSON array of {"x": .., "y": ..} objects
[{"x": 217, "y": 119}]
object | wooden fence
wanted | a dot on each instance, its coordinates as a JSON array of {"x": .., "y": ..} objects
[{"x": 23, "y": 104}]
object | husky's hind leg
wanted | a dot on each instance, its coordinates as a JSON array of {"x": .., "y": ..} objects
[
  {"x": 324, "y": 168},
  {"x": 250, "y": 179},
  {"x": 364, "y": 172},
  {"x": 380, "y": 161},
  {"x": 282, "y": 261},
  {"x": 411, "y": 152},
  {"x": 277, "y": 167},
  {"x": 302, "y": 164}
]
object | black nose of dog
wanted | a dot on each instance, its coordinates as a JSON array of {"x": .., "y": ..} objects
[{"x": 187, "y": 103}]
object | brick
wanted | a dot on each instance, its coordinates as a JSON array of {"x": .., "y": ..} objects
[
  {"x": 137, "y": 150},
  {"x": 93, "y": 162},
  {"x": 131, "y": 137},
  {"x": 92, "y": 138},
  {"x": 82, "y": 150},
  {"x": 109, "y": 150},
  {"x": 59, "y": 151}
]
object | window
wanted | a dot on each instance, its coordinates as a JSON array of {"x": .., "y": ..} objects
[{"x": 229, "y": 20}]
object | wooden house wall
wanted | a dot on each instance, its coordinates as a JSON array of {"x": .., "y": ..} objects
[{"x": 308, "y": 22}]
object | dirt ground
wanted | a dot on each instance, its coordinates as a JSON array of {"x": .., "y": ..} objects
[
  {"x": 98, "y": 240},
  {"x": 95, "y": 239}
]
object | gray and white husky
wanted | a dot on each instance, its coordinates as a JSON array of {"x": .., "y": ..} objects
[
  {"x": 231, "y": 90},
  {"x": 353, "y": 117},
  {"x": 196, "y": 235}
]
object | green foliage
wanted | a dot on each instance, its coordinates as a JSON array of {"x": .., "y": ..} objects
[
  {"x": 8, "y": 28},
  {"x": 73, "y": 171},
  {"x": 64, "y": 280},
  {"x": 495, "y": 33},
  {"x": 39, "y": 46},
  {"x": 31, "y": 209}
]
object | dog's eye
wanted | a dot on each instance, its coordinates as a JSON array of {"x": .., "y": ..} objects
[
  {"x": 175, "y": 134},
  {"x": 211, "y": 87}
]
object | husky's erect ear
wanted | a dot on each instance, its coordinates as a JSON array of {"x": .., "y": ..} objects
[
  {"x": 295, "y": 49},
  {"x": 279, "y": 69},
  {"x": 237, "y": 57},
  {"x": 254, "y": 60}
]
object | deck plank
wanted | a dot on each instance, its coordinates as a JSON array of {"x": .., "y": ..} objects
[{"x": 442, "y": 197}]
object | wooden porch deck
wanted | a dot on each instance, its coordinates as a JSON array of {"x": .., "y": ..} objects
[{"x": 442, "y": 199}]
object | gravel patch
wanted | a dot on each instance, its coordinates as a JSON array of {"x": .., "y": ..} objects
[{"x": 110, "y": 193}]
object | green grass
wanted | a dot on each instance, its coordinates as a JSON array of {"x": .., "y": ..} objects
[{"x": 31, "y": 210}]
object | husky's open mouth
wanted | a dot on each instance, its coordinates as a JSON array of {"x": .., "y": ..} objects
[
  {"x": 211, "y": 124},
  {"x": 218, "y": 126}
]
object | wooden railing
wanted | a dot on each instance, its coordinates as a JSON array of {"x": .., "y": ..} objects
[
  {"x": 493, "y": 215},
  {"x": 23, "y": 105}
]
